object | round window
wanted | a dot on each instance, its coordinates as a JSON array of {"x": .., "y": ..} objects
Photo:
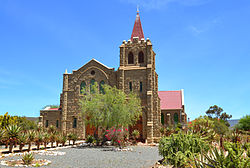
[{"x": 92, "y": 72}]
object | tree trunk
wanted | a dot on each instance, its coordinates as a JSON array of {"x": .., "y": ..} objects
[
  {"x": 221, "y": 142},
  {"x": 52, "y": 144},
  {"x": 11, "y": 147},
  {"x": 38, "y": 146},
  {"x": 45, "y": 145},
  {"x": 57, "y": 144},
  {"x": 21, "y": 147},
  {"x": 29, "y": 146}
]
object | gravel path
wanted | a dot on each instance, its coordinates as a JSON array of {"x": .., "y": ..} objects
[{"x": 91, "y": 157}]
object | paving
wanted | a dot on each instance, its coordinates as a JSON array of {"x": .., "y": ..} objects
[{"x": 101, "y": 157}]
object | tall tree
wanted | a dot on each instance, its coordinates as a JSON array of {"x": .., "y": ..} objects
[
  {"x": 244, "y": 123},
  {"x": 217, "y": 112},
  {"x": 111, "y": 108}
]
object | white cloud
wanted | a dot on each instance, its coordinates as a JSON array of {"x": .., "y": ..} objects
[
  {"x": 204, "y": 27},
  {"x": 195, "y": 30}
]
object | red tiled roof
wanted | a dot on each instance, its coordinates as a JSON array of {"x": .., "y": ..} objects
[
  {"x": 54, "y": 109},
  {"x": 137, "y": 30},
  {"x": 170, "y": 99}
]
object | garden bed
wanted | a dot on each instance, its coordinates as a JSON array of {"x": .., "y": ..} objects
[{"x": 20, "y": 163}]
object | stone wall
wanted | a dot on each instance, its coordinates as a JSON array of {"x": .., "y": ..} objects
[
  {"x": 93, "y": 70},
  {"x": 135, "y": 72},
  {"x": 51, "y": 116}
]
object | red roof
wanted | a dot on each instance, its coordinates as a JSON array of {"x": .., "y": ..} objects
[
  {"x": 137, "y": 30},
  {"x": 170, "y": 99},
  {"x": 54, "y": 109}
]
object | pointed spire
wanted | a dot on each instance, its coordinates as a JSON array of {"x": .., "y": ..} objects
[
  {"x": 137, "y": 30},
  {"x": 66, "y": 72}
]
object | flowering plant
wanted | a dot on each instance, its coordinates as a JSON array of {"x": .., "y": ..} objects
[{"x": 118, "y": 136}]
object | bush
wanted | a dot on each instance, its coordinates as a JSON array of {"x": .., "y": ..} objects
[
  {"x": 178, "y": 149},
  {"x": 244, "y": 123},
  {"x": 90, "y": 139},
  {"x": 135, "y": 134},
  {"x": 117, "y": 136},
  {"x": 27, "y": 158},
  {"x": 232, "y": 157}
]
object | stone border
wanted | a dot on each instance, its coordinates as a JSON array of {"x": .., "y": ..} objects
[
  {"x": 8, "y": 163},
  {"x": 40, "y": 152}
]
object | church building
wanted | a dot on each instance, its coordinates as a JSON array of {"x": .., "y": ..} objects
[{"x": 136, "y": 73}]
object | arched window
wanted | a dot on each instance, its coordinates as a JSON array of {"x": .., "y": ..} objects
[
  {"x": 130, "y": 58},
  {"x": 75, "y": 123},
  {"x": 176, "y": 118},
  {"x": 130, "y": 86},
  {"x": 101, "y": 88},
  {"x": 140, "y": 57},
  {"x": 162, "y": 118},
  {"x": 140, "y": 86},
  {"x": 92, "y": 82},
  {"x": 83, "y": 87}
]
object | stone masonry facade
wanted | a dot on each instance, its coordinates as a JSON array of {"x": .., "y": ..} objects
[{"x": 136, "y": 73}]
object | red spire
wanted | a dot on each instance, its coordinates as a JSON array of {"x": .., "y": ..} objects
[{"x": 137, "y": 30}]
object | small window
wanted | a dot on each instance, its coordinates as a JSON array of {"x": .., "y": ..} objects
[
  {"x": 101, "y": 87},
  {"x": 92, "y": 82},
  {"x": 140, "y": 86},
  {"x": 83, "y": 87},
  {"x": 75, "y": 123},
  {"x": 141, "y": 57},
  {"x": 47, "y": 123},
  {"x": 130, "y": 86},
  {"x": 176, "y": 118},
  {"x": 57, "y": 123},
  {"x": 130, "y": 58},
  {"x": 162, "y": 118}
]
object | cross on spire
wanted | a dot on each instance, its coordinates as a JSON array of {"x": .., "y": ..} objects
[{"x": 137, "y": 30}]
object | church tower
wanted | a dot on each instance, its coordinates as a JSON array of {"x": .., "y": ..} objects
[{"x": 137, "y": 74}]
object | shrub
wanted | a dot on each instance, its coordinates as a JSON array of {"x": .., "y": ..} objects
[
  {"x": 232, "y": 157},
  {"x": 135, "y": 134},
  {"x": 204, "y": 127},
  {"x": 73, "y": 137},
  {"x": 117, "y": 136},
  {"x": 163, "y": 130},
  {"x": 63, "y": 139},
  {"x": 178, "y": 149},
  {"x": 244, "y": 123},
  {"x": 90, "y": 139},
  {"x": 27, "y": 158}
]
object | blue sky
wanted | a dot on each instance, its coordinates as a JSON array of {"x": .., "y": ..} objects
[{"x": 202, "y": 46}]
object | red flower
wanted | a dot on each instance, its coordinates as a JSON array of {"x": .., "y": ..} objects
[
  {"x": 119, "y": 130},
  {"x": 107, "y": 130},
  {"x": 126, "y": 129},
  {"x": 114, "y": 130},
  {"x": 118, "y": 141}
]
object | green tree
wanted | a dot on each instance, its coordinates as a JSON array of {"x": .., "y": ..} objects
[
  {"x": 51, "y": 106},
  {"x": 244, "y": 123},
  {"x": 31, "y": 138},
  {"x": 217, "y": 112},
  {"x": 112, "y": 109},
  {"x": 12, "y": 132},
  {"x": 6, "y": 120}
]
